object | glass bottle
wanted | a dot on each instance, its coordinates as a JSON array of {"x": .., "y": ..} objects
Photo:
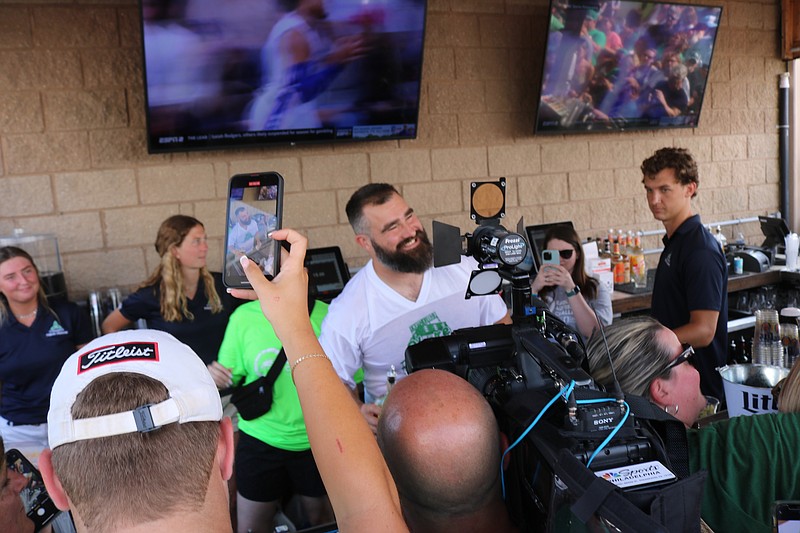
[
  {"x": 391, "y": 377},
  {"x": 617, "y": 265},
  {"x": 638, "y": 263}
]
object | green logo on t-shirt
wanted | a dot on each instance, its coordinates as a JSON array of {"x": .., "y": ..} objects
[
  {"x": 55, "y": 330},
  {"x": 428, "y": 327}
]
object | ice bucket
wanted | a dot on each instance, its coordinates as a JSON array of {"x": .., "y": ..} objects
[{"x": 748, "y": 388}]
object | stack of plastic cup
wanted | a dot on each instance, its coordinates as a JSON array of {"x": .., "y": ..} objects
[
  {"x": 767, "y": 347},
  {"x": 792, "y": 243},
  {"x": 790, "y": 339}
]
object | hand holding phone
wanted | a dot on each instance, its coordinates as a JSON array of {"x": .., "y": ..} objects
[
  {"x": 38, "y": 505},
  {"x": 255, "y": 209}
]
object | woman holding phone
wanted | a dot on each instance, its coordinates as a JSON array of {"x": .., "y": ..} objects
[
  {"x": 570, "y": 293},
  {"x": 181, "y": 296},
  {"x": 359, "y": 484},
  {"x": 36, "y": 337}
]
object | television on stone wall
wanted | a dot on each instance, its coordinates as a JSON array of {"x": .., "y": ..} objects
[
  {"x": 257, "y": 72},
  {"x": 625, "y": 65}
]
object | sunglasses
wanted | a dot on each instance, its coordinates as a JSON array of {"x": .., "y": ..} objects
[
  {"x": 566, "y": 254},
  {"x": 685, "y": 356}
]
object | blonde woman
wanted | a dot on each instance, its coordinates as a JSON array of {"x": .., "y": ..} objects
[
  {"x": 36, "y": 337},
  {"x": 788, "y": 391},
  {"x": 181, "y": 296}
]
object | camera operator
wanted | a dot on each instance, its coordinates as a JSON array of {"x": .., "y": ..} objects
[
  {"x": 442, "y": 444},
  {"x": 398, "y": 298},
  {"x": 751, "y": 460},
  {"x": 567, "y": 289}
]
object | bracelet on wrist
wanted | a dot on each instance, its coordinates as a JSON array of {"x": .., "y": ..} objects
[{"x": 306, "y": 358}]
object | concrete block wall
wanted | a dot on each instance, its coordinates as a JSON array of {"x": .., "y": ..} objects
[{"x": 73, "y": 158}]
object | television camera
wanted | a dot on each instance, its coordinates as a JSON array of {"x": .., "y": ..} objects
[{"x": 566, "y": 432}]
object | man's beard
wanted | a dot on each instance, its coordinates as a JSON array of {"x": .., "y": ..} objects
[{"x": 414, "y": 261}]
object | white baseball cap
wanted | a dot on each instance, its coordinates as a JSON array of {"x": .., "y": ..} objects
[{"x": 193, "y": 396}]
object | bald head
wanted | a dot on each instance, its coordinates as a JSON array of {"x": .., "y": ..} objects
[{"x": 441, "y": 442}]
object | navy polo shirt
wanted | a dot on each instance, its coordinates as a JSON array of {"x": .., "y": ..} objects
[
  {"x": 31, "y": 359},
  {"x": 203, "y": 334},
  {"x": 692, "y": 275}
]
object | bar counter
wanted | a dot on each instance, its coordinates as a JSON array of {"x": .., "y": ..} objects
[{"x": 626, "y": 303}]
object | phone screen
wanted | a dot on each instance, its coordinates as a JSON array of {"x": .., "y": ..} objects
[
  {"x": 38, "y": 505},
  {"x": 255, "y": 208}
]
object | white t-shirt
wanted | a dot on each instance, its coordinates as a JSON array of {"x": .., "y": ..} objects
[
  {"x": 243, "y": 239},
  {"x": 279, "y": 104},
  {"x": 370, "y": 325}
]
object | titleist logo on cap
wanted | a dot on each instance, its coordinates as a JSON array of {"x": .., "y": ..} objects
[{"x": 118, "y": 353}]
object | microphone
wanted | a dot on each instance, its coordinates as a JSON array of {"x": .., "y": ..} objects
[{"x": 618, "y": 394}]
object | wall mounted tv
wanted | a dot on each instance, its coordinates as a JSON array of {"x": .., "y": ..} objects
[
  {"x": 625, "y": 65},
  {"x": 254, "y": 72}
]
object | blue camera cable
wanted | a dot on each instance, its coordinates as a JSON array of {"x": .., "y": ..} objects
[{"x": 565, "y": 392}]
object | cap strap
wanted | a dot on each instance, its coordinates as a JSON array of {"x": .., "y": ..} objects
[{"x": 142, "y": 419}]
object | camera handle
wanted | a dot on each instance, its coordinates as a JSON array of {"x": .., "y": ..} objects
[{"x": 523, "y": 310}]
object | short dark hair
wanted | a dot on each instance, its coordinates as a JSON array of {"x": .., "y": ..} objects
[
  {"x": 678, "y": 159},
  {"x": 372, "y": 194},
  {"x": 239, "y": 210}
]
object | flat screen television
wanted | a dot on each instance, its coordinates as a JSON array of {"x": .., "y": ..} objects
[
  {"x": 255, "y": 72},
  {"x": 625, "y": 65}
]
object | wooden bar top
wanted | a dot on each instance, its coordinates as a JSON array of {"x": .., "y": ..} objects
[{"x": 625, "y": 303}]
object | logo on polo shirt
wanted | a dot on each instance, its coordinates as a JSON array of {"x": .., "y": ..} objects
[
  {"x": 118, "y": 353},
  {"x": 55, "y": 330}
]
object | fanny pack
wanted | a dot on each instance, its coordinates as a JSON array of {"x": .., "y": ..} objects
[{"x": 255, "y": 398}]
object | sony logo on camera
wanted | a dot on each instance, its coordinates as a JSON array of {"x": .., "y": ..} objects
[{"x": 118, "y": 353}]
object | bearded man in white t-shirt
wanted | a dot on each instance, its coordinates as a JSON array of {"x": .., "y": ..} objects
[{"x": 398, "y": 298}]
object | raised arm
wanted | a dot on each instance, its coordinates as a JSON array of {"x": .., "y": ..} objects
[{"x": 359, "y": 484}]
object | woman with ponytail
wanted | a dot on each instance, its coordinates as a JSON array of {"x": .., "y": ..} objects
[{"x": 181, "y": 296}]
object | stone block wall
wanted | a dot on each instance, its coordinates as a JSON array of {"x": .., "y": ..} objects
[{"x": 73, "y": 157}]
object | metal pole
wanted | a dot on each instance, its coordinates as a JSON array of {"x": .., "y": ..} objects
[{"x": 783, "y": 142}]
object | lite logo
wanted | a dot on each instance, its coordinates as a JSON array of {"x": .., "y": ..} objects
[
  {"x": 118, "y": 353},
  {"x": 751, "y": 402}
]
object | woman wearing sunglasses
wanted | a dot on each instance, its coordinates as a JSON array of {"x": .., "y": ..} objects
[
  {"x": 568, "y": 291},
  {"x": 649, "y": 361},
  {"x": 751, "y": 461}
]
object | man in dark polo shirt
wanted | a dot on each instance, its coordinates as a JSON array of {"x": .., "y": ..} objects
[{"x": 690, "y": 295}]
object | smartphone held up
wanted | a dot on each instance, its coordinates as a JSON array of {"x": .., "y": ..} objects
[
  {"x": 255, "y": 208},
  {"x": 550, "y": 257},
  {"x": 38, "y": 505}
]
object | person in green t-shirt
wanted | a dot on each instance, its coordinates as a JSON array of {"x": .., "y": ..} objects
[
  {"x": 273, "y": 452},
  {"x": 751, "y": 460}
]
